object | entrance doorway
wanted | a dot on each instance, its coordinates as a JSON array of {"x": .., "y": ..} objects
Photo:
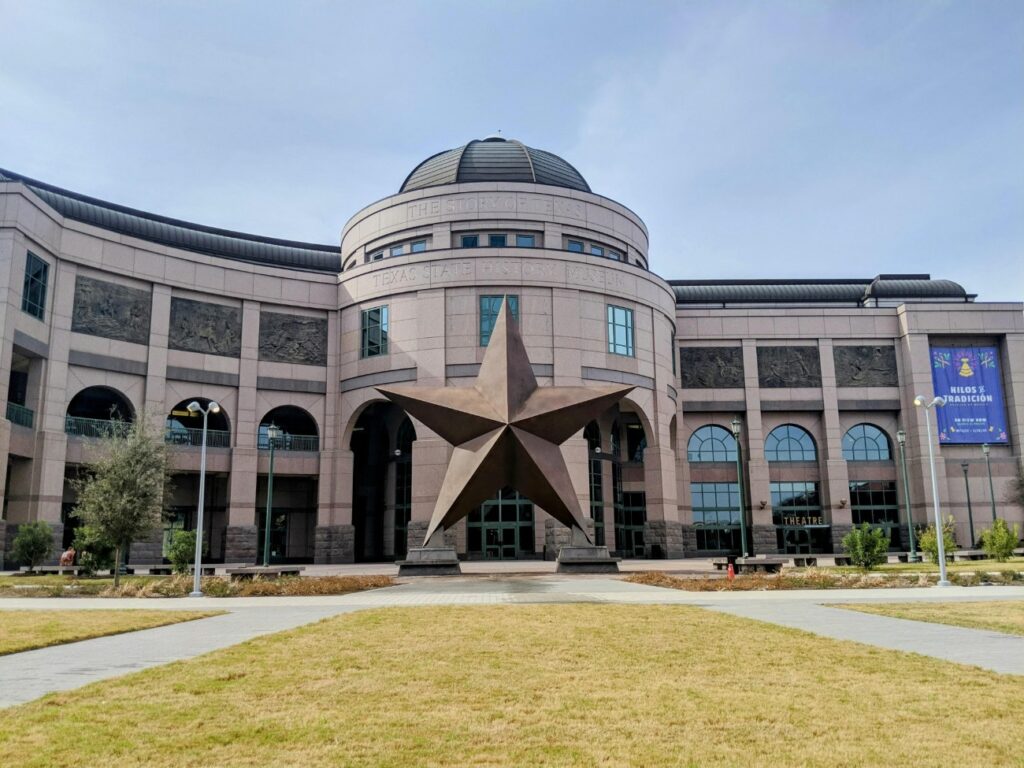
[{"x": 502, "y": 528}]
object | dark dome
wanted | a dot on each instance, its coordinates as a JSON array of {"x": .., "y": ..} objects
[{"x": 494, "y": 159}]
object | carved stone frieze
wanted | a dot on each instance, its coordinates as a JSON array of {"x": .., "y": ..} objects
[
  {"x": 110, "y": 310},
  {"x": 198, "y": 326},
  {"x": 711, "y": 367},
  {"x": 867, "y": 366},
  {"x": 293, "y": 338},
  {"x": 788, "y": 367}
]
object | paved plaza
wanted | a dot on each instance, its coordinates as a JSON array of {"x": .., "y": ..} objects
[{"x": 31, "y": 674}]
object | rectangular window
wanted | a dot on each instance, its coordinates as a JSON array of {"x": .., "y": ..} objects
[
  {"x": 614, "y": 255},
  {"x": 796, "y": 504},
  {"x": 489, "y": 308},
  {"x": 374, "y": 326},
  {"x": 396, "y": 250},
  {"x": 597, "y": 250},
  {"x": 376, "y": 256},
  {"x": 419, "y": 246},
  {"x": 576, "y": 246},
  {"x": 716, "y": 515},
  {"x": 525, "y": 241},
  {"x": 470, "y": 241},
  {"x": 620, "y": 330},
  {"x": 497, "y": 241},
  {"x": 33, "y": 295}
]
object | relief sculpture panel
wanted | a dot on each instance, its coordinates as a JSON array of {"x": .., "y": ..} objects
[
  {"x": 788, "y": 367},
  {"x": 198, "y": 326},
  {"x": 865, "y": 366},
  {"x": 293, "y": 338},
  {"x": 110, "y": 310},
  {"x": 706, "y": 367}
]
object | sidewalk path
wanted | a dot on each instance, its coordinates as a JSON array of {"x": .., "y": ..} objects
[{"x": 31, "y": 674}]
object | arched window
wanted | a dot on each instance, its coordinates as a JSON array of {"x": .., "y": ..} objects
[
  {"x": 866, "y": 442},
  {"x": 789, "y": 443},
  {"x": 298, "y": 430},
  {"x": 98, "y": 411},
  {"x": 182, "y": 427},
  {"x": 711, "y": 443}
]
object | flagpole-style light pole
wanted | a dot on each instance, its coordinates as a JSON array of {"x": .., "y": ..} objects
[
  {"x": 194, "y": 407},
  {"x": 736, "y": 424},
  {"x": 970, "y": 511},
  {"x": 273, "y": 433},
  {"x": 986, "y": 449},
  {"x": 901, "y": 438},
  {"x": 936, "y": 402}
]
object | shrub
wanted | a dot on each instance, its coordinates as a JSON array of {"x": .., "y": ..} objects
[
  {"x": 182, "y": 551},
  {"x": 33, "y": 543},
  {"x": 866, "y": 546},
  {"x": 999, "y": 541},
  {"x": 929, "y": 542},
  {"x": 94, "y": 552}
]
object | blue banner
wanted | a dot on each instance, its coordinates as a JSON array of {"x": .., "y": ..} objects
[{"x": 968, "y": 378}]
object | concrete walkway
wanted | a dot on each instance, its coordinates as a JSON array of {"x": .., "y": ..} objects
[{"x": 31, "y": 674}]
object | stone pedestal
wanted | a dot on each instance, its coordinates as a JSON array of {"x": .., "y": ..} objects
[
  {"x": 148, "y": 551},
  {"x": 240, "y": 544},
  {"x": 764, "y": 539},
  {"x": 838, "y": 532},
  {"x": 557, "y": 536},
  {"x": 430, "y": 561},
  {"x": 664, "y": 539},
  {"x": 586, "y": 558},
  {"x": 334, "y": 544}
]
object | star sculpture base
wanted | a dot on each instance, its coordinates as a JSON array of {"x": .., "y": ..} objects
[
  {"x": 586, "y": 558},
  {"x": 430, "y": 561}
]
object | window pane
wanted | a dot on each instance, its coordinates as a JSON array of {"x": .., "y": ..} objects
[
  {"x": 396, "y": 250},
  {"x": 374, "y": 332},
  {"x": 597, "y": 250},
  {"x": 496, "y": 241},
  {"x": 489, "y": 308},
  {"x": 419, "y": 245},
  {"x": 470, "y": 241},
  {"x": 576, "y": 246},
  {"x": 524, "y": 241}
]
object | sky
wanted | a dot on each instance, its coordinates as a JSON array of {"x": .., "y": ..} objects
[{"x": 756, "y": 139}]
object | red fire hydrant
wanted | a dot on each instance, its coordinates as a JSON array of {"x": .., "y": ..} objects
[{"x": 730, "y": 573}]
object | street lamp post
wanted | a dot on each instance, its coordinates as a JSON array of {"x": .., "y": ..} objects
[
  {"x": 736, "y": 424},
  {"x": 986, "y": 448},
  {"x": 936, "y": 402},
  {"x": 970, "y": 512},
  {"x": 194, "y": 407},
  {"x": 273, "y": 433},
  {"x": 901, "y": 438}
]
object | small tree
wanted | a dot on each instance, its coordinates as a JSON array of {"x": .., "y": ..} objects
[
  {"x": 866, "y": 546},
  {"x": 94, "y": 551},
  {"x": 33, "y": 543},
  {"x": 929, "y": 543},
  {"x": 124, "y": 492},
  {"x": 999, "y": 541},
  {"x": 183, "y": 550}
]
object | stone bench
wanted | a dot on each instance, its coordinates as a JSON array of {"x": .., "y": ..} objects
[
  {"x": 168, "y": 570},
  {"x": 970, "y": 554},
  {"x": 804, "y": 561},
  {"x": 71, "y": 570},
  {"x": 758, "y": 563},
  {"x": 268, "y": 572}
]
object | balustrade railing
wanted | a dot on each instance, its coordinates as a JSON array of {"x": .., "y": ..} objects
[
  {"x": 20, "y": 415},
  {"x": 79, "y": 426},
  {"x": 215, "y": 438},
  {"x": 288, "y": 442}
]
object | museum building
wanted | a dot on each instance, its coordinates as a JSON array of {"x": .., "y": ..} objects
[{"x": 782, "y": 408}]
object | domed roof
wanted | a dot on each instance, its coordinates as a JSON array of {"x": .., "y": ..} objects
[{"x": 494, "y": 159}]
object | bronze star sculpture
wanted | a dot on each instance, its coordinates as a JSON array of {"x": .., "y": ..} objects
[{"x": 506, "y": 432}]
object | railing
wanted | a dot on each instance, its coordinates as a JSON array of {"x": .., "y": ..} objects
[
  {"x": 215, "y": 438},
  {"x": 79, "y": 426},
  {"x": 288, "y": 442},
  {"x": 20, "y": 415}
]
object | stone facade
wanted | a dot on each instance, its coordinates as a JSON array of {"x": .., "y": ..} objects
[
  {"x": 711, "y": 367},
  {"x": 110, "y": 310},
  {"x": 199, "y": 326},
  {"x": 147, "y": 551},
  {"x": 159, "y": 325},
  {"x": 334, "y": 544},
  {"x": 241, "y": 545}
]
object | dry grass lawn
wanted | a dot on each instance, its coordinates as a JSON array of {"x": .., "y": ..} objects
[
  {"x": 586, "y": 685},
  {"x": 999, "y": 615},
  {"x": 24, "y": 630}
]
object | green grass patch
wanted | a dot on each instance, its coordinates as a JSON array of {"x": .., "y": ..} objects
[
  {"x": 999, "y": 615},
  {"x": 25, "y": 630},
  {"x": 549, "y": 685}
]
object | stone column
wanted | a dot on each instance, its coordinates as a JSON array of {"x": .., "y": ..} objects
[
  {"x": 334, "y": 537},
  {"x": 240, "y": 537},
  {"x": 835, "y": 475},
  {"x": 757, "y": 482}
]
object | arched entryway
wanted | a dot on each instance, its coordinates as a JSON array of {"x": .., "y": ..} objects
[{"x": 95, "y": 411}]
